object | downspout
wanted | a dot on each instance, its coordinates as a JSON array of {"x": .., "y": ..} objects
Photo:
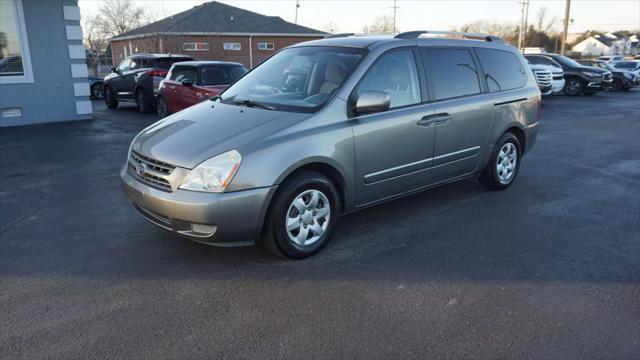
[{"x": 250, "y": 51}]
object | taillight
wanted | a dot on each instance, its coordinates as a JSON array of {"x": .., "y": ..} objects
[{"x": 159, "y": 73}]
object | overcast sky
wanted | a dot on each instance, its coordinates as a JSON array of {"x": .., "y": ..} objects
[{"x": 352, "y": 15}]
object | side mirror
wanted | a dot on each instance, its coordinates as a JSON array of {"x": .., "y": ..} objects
[
  {"x": 113, "y": 70},
  {"x": 187, "y": 82},
  {"x": 372, "y": 102}
]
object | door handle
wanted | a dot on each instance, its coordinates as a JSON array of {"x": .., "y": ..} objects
[{"x": 434, "y": 119}]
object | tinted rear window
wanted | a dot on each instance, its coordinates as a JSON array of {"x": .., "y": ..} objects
[
  {"x": 221, "y": 75},
  {"x": 450, "y": 72},
  {"x": 503, "y": 70},
  {"x": 167, "y": 62}
]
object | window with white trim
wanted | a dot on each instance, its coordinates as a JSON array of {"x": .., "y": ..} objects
[
  {"x": 195, "y": 46},
  {"x": 232, "y": 46},
  {"x": 266, "y": 46},
  {"x": 15, "y": 66}
]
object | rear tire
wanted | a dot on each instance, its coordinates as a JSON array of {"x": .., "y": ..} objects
[
  {"x": 573, "y": 87},
  {"x": 302, "y": 216},
  {"x": 504, "y": 164},
  {"x": 110, "y": 98},
  {"x": 142, "y": 103}
]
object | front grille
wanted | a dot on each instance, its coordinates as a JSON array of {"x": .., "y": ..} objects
[
  {"x": 156, "y": 171},
  {"x": 543, "y": 77}
]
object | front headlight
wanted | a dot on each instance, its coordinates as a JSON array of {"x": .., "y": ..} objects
[
  {"x": 214, "y": 174},
  {"x": 590, "y": 74}
]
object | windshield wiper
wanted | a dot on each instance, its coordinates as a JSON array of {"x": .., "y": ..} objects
[{"x": 250, "y": 103}]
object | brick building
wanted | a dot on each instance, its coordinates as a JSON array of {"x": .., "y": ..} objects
[{"x": 214, "y": 31}]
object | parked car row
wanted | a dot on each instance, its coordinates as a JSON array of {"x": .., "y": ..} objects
[
  {"x": 584, "y": 77},
  {"x": 167, "y": 83}
]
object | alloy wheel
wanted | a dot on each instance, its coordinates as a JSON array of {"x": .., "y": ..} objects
[
  {"x": 573, "y": 87},
  {"x": 308, "y": 218},
  {"x": 507, "y": 163},
  {"x": 162, "y": 108}
]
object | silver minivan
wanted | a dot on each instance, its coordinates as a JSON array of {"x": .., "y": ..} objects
[{"x": 332, "y": 126}]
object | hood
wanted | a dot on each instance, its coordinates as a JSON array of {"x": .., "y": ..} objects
[
  {"x": 207, "y": 129},
  {"x": 216, "y": 88},
  {"x": 593, "y": 69}
]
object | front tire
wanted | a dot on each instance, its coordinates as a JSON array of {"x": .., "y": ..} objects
[
  {"x": 618, "y": 85},
  {"x": 110, "y": 98},
  {"x": 573, "y": 87},
  {"x": 162, "y": 108},
  {"x": 504, "y": 165},
  {"x": 303, "y": 216},
  {"x": 96, "y": 91}
]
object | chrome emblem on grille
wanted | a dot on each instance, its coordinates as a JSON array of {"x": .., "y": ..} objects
[{"x": 141, "y": 169}]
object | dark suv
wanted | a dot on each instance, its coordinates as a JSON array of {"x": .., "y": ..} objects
[
  {"x": 137, "y": 78},
  {"x": 579, "y": 79}
]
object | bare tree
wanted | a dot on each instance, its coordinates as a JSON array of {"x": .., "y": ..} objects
[
  {"x": 331, "y": 27},
  {"x": 505, "y": 31},
  {"x": 95, "y": 40},
  {"x": 116, "y": 17},
  {"x": 543, "y": 25},
  {"x": 382, "y": 24}
]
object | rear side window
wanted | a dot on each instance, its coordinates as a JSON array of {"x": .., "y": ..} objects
[
  {"x": 221, "y": 75},
  {"x": 450, "y": 72},
  {"x": 180, "y": 73},
  {"x": 167, "y": 62},
  {"x": 502, "y": 69}
]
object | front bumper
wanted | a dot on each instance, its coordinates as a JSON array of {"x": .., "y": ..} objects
[
  {"x": 557, "y": 86},
  {"x": 235, "y": 217},
  {"x": 545, "y": 89}
]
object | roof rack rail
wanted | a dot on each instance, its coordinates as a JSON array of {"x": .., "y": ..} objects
[
  {"x": 463, "y": 35},
  {"x": 340, "y": 35}
]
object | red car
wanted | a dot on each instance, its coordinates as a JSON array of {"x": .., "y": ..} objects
[{"x": 190, "y": 82}]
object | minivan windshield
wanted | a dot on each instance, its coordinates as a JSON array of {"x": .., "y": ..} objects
[{"x": 299, "y": 79}]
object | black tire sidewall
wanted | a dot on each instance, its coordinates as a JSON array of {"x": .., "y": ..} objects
[
  {"x": 581, "y": 87},
  {"x": 288, "y": 191},
  {"x": 141, "y": 105},
  {"x": 109, "y": 99},
  {"x": 161, "y": 104},
  {"x": 491, "y": 173}
]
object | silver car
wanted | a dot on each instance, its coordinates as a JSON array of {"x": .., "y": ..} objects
[{"x": 332, "y": 126}]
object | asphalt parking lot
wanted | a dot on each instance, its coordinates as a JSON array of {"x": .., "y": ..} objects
[{"x": 547, "y": 269}]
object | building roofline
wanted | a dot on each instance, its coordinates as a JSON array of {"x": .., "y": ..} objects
[{"x": 190, "y": 33}]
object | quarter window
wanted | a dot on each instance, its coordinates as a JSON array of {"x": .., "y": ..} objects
[
  {"x": 232, "y": 46},
  {"x": 125, "y": 65},
  {"x": 395, "y": 74},
  {"x": 265, "y": 46},
  {"x": 195, "y": 46},
  {"x": 502, "y": 69},
  {"x": 450, "y": 72}
]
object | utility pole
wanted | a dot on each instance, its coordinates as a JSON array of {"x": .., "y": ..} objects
[
  {"x": 395, "y": 8},
  {"x": 521, "y": 25},
  {"x": 297, "y": 7},
  {"x": 526, "y": 25},
  {"x": 567, "y": 8}
]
